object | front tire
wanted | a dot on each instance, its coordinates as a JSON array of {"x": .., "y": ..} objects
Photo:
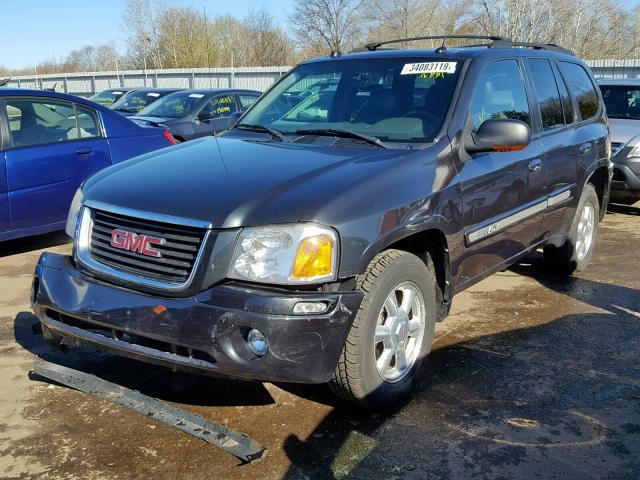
[
  {"x": 574, "y": 255},
  {"x": 391, "y": 333}
]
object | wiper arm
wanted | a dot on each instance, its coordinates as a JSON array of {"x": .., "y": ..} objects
[
  {"x": 337, "y": 132},
  {"x": 255, "y": 127}
]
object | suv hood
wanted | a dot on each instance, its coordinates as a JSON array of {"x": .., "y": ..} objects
[
  {"x": 624, "y": 131},
  {"x": 232, "y": 182}
]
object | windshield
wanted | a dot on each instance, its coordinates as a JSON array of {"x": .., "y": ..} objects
[
  {"x": 136, "y": 101},
  {"x": 107, "y": 97},
  {"x": 176, "y": 105},
  {"x": 395, "y": 100},
  {"x": 622, "y": 101}
]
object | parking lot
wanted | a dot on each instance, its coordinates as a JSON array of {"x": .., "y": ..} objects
[{"x": 530, "y": 377}]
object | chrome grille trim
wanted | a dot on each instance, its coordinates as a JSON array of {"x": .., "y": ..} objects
[{"x": 130, "y": 268}]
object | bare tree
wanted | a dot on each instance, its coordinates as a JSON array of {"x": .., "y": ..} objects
[{"x": 333, "y": 23}]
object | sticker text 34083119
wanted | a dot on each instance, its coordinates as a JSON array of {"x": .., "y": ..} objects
[{"x": 428, "y": 67}]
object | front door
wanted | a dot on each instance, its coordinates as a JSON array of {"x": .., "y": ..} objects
[
  {"x": 214, "y": 117},
  {"x": 503, "y": 192},
  {"x": 54, "y": 145}
]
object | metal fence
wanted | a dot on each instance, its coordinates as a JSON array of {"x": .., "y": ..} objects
[
  {"x": 254, "y": 78},
  {"x": 86, "y": 84}
]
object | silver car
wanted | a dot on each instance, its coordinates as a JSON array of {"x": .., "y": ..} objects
[{"x": 622, "y": 99}]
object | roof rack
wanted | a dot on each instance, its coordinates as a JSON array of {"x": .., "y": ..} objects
[
  {"x": 496, "y": 42},
  {"x": 538, "y": 46},
  {"x": 375, "y": 45}
]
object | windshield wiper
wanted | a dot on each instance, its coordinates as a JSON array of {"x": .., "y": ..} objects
[
  {"x": 336, "y": 132},
  {"x": 255, "y": 127}
]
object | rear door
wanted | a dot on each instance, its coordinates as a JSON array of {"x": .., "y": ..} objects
[
  {"x": 559, "y": 137},
  {"x": 53, "y": 146},
  {"x": 503, "y": 192}
]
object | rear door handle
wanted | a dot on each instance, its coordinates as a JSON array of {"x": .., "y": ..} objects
[
  {"x": 585, "y": 148},
  {"x": 84, "y": 151},
  {"x": 535, "y": 165}
]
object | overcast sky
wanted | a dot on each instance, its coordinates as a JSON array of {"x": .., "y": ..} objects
[{"x": 36, "y": 30}]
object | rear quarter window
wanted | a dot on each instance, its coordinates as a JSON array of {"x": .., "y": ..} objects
[{"x": 582, "y": 88}]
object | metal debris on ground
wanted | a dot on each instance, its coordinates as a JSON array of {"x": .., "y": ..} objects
[{"x": 236, "y": 443}]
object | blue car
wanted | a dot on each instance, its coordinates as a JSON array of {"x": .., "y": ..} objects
[{"x": 49, "y": 143}]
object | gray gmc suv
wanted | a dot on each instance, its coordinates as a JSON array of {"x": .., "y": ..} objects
[{"x": 321, "y": 238}]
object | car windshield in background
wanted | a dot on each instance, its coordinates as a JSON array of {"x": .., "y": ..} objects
[
  {"x": 136, "y": 101},
  {"x": 176, "y": 105},
  {"x": 108, "y": 97},
  {"x": 394, "y": 100},
  {"x": 622, "y": 101}
]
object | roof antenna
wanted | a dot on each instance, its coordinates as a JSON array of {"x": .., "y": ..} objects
[{"x": 442, "y": 48}]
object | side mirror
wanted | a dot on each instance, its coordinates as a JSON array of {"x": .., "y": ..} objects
[
  {"x": 499, "y": 135},
  {"x": 233, "y": 118},
  {"x": 202, "y": 116}
]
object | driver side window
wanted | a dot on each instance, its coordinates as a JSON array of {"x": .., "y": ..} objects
[
  {"x": 500, "y": 93},
  {"x": 219, "y": 107}
]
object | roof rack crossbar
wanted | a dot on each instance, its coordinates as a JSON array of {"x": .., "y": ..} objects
[
  {"x": 375, "y": 45},
  {"x": 495, "y": 42}
]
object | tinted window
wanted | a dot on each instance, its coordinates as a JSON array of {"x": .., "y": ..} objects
[
  {"x": 107, "y": 97},
  {"x": 621, "y": 101},
  {"x": 136, "y": 101},
  {"x": 88, "y": 125},
  {"x": 582, "y": 88},
  {"x": 395, "y": 99},
  {"x": 500, "y": 93},
  {"x": 246, "y": 100},
  {"x": 222, "y": 106},
  {"x": 176, "y": 105},
  {"x": 567, "y": 104},
  {"x": 34, "y": 122},
  {"x": 547, "y": 93}
]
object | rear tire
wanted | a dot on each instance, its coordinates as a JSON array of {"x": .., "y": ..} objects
[
  {"x": 384, "y": 352},
  {"x": 574, "y": 255}
]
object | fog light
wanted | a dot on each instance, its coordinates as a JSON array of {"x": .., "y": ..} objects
[
  {"x": 301, "y": 308},
  {"x": 257, "y": 342}
]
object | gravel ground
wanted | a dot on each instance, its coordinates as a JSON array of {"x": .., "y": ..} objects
[{"x": 530, "y": 377}]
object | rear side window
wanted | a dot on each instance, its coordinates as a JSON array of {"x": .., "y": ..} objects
[
  {"x": 247, "y": 100},
  {"x": 88, "y": 125},
  {"x": 547, "y": 93},
  {"x": 582, "y": 88},
  {"x": 500, "y": 93}
]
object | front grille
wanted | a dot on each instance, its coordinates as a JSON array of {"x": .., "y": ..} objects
[{"x": 178, "y": 253}]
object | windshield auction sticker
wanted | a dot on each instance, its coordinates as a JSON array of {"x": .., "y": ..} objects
[{"x": 428, "y": 67}]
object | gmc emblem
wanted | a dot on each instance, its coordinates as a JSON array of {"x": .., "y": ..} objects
[{"x": 134, "y": 242}]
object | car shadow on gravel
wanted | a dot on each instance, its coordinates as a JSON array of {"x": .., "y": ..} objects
[
  {"x": 152, "y": 380},
  {"x": 624, "y": 209},
  {"x": 37, "y": 242},
  {"x": 559, "y": 400}
]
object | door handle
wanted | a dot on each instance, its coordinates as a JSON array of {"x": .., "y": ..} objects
[
  {"x": 535, "y": 165},
  {"x": 585, "y": 148},
  {"x": 84, "y": 151}
]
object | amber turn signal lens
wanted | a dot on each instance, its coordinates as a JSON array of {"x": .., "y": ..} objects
[{"x": 314, "y": 257}]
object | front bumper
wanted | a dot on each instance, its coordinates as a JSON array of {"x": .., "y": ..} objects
[
  {"x": 625, "y": 184},
  {"x": 205, "y": 332}
]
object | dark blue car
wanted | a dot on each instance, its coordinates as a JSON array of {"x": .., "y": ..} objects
[{"x": 51, "y": 142}]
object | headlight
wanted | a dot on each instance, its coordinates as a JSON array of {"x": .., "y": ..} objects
[
  {"x": 635, "y": 151},
  {"x": 286, "y": 254},
  {"x": 74, "y": 210}
]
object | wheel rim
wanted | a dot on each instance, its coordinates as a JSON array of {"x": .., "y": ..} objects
[
  {"x": 399, "y": 332},
  {"x": 584, "y": 235}
]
